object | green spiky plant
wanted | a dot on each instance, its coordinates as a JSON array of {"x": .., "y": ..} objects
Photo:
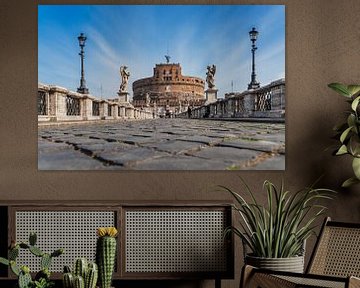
[
  {"x": 42, "y": 278},
  {"x": 280, "y": 228},
  {"x": 106, "y": 254},
  {"x": 85, "y": 275},
  {"x": 349, "y": 132}
]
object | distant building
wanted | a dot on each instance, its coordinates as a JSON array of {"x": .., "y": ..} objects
[{"x": 168, "y": 90}]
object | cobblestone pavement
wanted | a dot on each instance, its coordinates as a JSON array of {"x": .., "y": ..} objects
[{"x": 163, "y": 144}]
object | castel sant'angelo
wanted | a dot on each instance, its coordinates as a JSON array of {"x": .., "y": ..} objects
[{"x": 168, "y": 89}]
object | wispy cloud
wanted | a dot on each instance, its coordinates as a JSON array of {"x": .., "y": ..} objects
[{"x": 139, "y": 36}]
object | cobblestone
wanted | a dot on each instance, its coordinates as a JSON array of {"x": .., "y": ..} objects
[{"x": 163, "y": 144}]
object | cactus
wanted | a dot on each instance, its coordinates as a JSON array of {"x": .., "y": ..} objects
[
  {"x": 91, "y": 276},
  {"x": 4, "y": 261},
  {"x": 67, "y": 269},
  {"x": 79, "y": 282},
  {"x": 24, "y": 280},
  {"x": 14, "y": 268},
  {"x": 87, "y": 272},
  {"x": 68, "y": 280},
  {"x": 24, "y": 245},
  {"x": 43, "y": 274},
  {"x": 36, "y": 251},
  {"x": 42, "y": 278},
  {"x": 45, "y": 261},
  {"x": 105, "y": 254},
  {"x": 80, "y": 267},
  {"x": 32, "y": 238},
  {"x": 13, "y": 253},
  {"x": 57, "y": 253}
]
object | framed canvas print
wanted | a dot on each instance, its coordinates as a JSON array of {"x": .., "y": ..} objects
[{"x": 161, "y": 87}]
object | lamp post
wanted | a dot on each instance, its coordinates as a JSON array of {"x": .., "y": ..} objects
[
  {"x": 253, "y": 37},
  {"x": 82, "y": 89}
]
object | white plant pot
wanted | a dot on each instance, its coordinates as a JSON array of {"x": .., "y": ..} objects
[{"x": 291, "y": 264}]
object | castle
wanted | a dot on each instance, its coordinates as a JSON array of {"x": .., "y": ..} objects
[{"x": 168, "y": 91}]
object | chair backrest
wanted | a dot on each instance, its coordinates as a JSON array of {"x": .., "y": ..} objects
[{"x": 337, "y": 251}]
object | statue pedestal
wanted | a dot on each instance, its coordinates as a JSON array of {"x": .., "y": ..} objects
[
  {"x": 123, "y": 96},
  {"x": 211, "y": 95}
]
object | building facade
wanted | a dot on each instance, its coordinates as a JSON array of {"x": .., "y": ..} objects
[{"x": 168, "y": 90}]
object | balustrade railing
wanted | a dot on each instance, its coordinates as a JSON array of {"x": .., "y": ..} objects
[
  {"x": 72, "y": 106},
  {"x": 95, "y": 108},
  {"x": 109, "y": 110},
  {"x": 59, "y": 104},
  {"x": 42, "y": 103},
  {"x": 264, "y": 102}
]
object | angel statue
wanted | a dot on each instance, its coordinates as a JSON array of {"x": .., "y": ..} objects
[
  {"x": 210, "y": 76},
  {"x": 124, "y": 78}
]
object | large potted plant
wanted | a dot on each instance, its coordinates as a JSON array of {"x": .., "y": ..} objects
[
  {"x": 349, "y": 131},
  {"x": 275, "y": 234}
]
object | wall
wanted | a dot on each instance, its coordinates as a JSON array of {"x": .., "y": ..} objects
[{"x": 322, "y": 46}]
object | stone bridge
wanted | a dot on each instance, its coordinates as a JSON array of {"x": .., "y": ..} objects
[
  {"x": 60, "y": 104},
  {"x": 95, "y": 137}
]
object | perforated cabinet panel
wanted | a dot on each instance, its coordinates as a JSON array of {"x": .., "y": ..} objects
[
  {"x": 75, "y": 231},
  {"x": 175, "y": 241}
]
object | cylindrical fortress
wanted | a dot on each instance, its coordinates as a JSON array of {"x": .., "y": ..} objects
[{"x": 168, "y": 89}]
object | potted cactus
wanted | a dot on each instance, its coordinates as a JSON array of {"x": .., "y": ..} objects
[
  {"x": 42, "y": 278},
  {"x": 106, "y": 254},
  {"x": 84, "y": 275}
]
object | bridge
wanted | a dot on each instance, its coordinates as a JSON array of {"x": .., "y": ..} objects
[
  {"x": 58, "y": 104},
  {"x": 81, "y": 132}
]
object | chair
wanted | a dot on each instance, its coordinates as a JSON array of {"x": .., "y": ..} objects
[{"x": 335, "y": 262}]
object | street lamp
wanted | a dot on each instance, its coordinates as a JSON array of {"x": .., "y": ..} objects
[
  {"x": 253, "y": 37},
  {"x": 82, "y": 89}
]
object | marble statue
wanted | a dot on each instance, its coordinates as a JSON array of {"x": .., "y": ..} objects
[
  {"x": 210, "y": 76},
  {"x": 125, "y": 74}
]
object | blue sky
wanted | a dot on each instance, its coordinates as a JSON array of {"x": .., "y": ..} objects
[{"x": 139, "y": 36}]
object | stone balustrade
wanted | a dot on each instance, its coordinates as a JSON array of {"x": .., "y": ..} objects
[
  {"x": 264, "y": 102},
  {"x": 60, "y": 104}
]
